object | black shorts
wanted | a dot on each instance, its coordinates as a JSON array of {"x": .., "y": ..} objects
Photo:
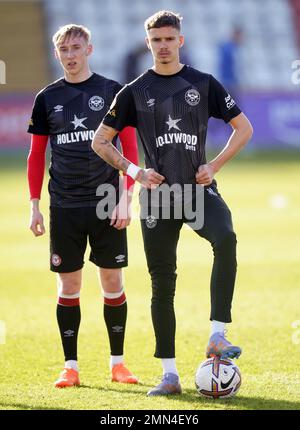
[{"x": 70, "y": 228}]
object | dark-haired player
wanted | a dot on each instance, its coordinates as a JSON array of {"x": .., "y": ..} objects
[
  {"x": 69, "y": 111},
  {"x": 170, "y": 105}
]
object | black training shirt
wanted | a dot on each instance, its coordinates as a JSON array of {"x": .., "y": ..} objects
[
  {"x": 171, "y": 113},
  {"x": 70, "y": 113}
]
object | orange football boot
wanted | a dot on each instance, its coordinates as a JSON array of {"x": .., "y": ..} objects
[
  {"x": 120, "y": 373},
  {"x": 68, "y": 378}
]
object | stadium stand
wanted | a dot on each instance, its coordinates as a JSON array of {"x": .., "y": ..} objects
[
  {"x": 295, "y": 4},
  {"x": 269, "y": 42},
  {"x": 22, "y": 46},
  {"x": 269, "y": 86}
]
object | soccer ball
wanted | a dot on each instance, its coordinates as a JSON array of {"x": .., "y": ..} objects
[{"x": 218, "y": 378}]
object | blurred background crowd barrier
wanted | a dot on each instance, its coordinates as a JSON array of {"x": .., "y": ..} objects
[{"x": 251, "y": 46}]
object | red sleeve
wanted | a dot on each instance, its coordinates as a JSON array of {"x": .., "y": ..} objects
[
  {"x": 36, "y": 165},
  {"x": 130, "y": 151}
]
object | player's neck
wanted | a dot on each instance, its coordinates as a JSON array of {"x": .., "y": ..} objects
[
  {"x": 80, "y": 77},
  {"x": 167, "y": 69}
]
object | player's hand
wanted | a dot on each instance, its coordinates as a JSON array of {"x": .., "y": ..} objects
[
  {"x": 149, "y": 178},
  {"x": 37, "y": 223},
  {"x": 205, "y": 174},
  {"x": 121, "y": 215}
]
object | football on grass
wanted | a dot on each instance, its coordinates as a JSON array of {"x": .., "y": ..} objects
[{"x": 218, "y": 378}]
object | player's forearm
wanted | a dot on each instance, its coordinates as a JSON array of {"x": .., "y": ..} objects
[
  {"x": 106, "y": 150},
  {"x": 35, "y": 204},
  {"x": 36, "y": 165},
  {"x": 35, "y": 173},
  {"x": 238, "y": 139}
]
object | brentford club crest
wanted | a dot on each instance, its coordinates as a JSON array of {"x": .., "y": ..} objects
[
  {"x": 151, "y": 221},
  {"x": 96, "y": 103},
  {"x": 192, "y": 97},
  {"x": 55, "y": 260}
]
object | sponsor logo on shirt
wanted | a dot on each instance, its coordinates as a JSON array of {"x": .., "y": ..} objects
[
  {"x": 172, "y": 123},
  {"x": 192, "y": 97},
  {"x": 96, "y": 103},
  {"x": 229, "y": 102},
  {"x": 30, "y": 122},
  {"x": 190, "y": 140},
  {"x": 78, "y": 122},
  {"x": 76, "y": 136}
]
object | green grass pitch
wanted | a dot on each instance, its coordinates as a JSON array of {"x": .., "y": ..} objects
[{"x": 264, "y": 198}]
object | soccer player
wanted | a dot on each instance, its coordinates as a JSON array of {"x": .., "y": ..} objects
[
  {"x": 68, "y": 111},
  {"x": 170, "y": 105}
]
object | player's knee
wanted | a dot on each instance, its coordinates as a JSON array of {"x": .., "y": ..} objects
[
  {"x": 111, "y": 281},
  {"x": 163, "y": 287},
  {"x": 226, "y": 243},
  {"x": 69, "y": 290},
  {"x": 69, "y": 285}
]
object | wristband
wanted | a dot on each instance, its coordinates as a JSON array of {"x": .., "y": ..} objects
[{"x": 133, "y": 170}]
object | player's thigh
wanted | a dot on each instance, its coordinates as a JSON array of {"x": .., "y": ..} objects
[
  {"x": 108, "y": 244},
  {"x": 217, "y": 216},
  {"x": 160, "y": 238},
  {"x": 68, "y": 239}
]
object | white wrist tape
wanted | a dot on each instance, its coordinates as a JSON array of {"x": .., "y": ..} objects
[{"x": 132, "y": 170}]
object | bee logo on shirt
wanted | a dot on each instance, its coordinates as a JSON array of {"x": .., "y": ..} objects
[{"x": 112, "y": 112}]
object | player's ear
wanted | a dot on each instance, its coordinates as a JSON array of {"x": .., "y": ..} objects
[
  {"x": 147, "y": 42},
  {"x": 181, "y": 41},
  {"x": 89, "y": 50},
  {"x": 56, "y": 54}
]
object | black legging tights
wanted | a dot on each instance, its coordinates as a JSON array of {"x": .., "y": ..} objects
[{"x": 160, "y": 245}]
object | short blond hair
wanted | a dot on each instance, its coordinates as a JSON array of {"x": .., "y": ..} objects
[{"x": 69, "y": 30}]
